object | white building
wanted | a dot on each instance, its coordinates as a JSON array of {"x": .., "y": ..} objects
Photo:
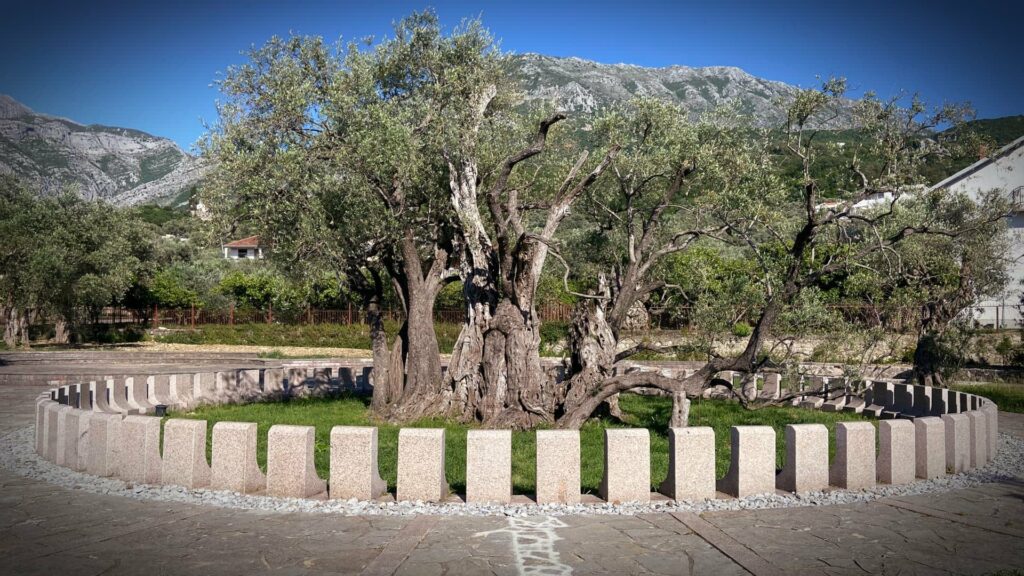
[
  {"x": 1002, "y": 170},
  {"x": 246, "y": 248}
]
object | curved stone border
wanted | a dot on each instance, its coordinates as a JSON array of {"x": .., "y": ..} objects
[
  {"x": 100, "y": 424},
  {"x": 18, "y": 456}
]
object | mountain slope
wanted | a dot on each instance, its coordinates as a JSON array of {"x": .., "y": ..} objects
[
  {"x": 120, "y": 165},
  {"x": 1002, "y": 131},
  {"x": 584, "y": 86}
]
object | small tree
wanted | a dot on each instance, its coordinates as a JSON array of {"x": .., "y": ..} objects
[
  {"x": 65, "y": 259},
  {"x": 943, "y": 276}
]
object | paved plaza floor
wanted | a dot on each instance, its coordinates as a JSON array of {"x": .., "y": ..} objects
[{"x": 49, "y": 530}]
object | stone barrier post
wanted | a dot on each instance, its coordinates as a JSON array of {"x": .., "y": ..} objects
[
  {"x": 84, "y": 424},
  {"x": 227, "y": 387},
  {"x": 952, "y": 402},
  {"x": 273, "y": 381},
  {"x": 104, "y": 444},
  {"x": 67, "y": 431},
  {"x": 160, "y": 390},
  {"x": 118, "y": 396},
  {"x": 558, "y": 467},
  {"x": 354, "y": 471},
  {"x": 85, "y": 398},
  {"x": 100, "y": 390},
  {"x": 184, "y": 458},
  {"x": 233, "y": 465},
  {"x": 992, "y": 416},
  {"x": 249, "y": 384},
  {"x": 53, "y": 432},
  {"x": 922, "y": 400},
  {"x": 940, "y": 402},
  {"x": 182, "y": 390},
  {"x": 138, "y": 388},
  {"x": 421, "y": 473},
  {"x": 40, "y": 431},
  {"x": 854, "y": 465},
  {"x": 291, "y": 469},
  {"x": 884, "y": 394},
  {"x": 489, "y": 466},
  {"x": 979, "y": 438},
  {"x": 205, "y": 388},
  {"x": 903, "y": 398},
  {"x": 627, "y": 465},
  {"x": 897, "y": 456},
  {"x": 806, "y": 468},
  {"x": 958, "y": 442},
  {"x": 140, "y": 450},
  {"x": 930, "y": 446},
  {"x": 691, "y": 464},
  {"x": 752, "y": 468}
]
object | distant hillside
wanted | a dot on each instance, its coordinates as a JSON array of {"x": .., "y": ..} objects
[
  {"x": 120, "y": 165},
  {"x": 579, "y": 85},
  {"x": 1002, "y": 131}
]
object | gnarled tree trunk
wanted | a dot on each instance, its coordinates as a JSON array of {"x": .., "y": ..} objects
[
  {"x": 61, "y": 332},
  {"x": 414, "y": 364},
  {"x": 12, "y": 331},
  {"x": 495, "y": 375}
]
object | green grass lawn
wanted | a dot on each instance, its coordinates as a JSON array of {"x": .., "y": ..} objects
[
  {"x": 1009, "y": 397},
  {"x": 640, "y": 411}
]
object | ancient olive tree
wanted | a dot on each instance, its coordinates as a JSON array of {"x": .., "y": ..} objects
[
  {"x": 647, "y": 166},
  {"x": 335, "y": 157}
]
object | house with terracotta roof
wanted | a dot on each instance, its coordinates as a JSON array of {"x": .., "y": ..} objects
[{"x": 246, "y": 248}]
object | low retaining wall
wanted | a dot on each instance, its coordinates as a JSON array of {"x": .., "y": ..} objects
[{"x": 106, "y": 428}]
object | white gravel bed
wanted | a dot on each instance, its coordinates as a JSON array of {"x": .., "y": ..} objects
[{"x": 17, "y": 454}]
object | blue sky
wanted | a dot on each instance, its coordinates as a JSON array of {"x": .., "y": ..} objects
[{"x": 149, "y": 65}]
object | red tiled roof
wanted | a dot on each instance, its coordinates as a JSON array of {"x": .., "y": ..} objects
[{"x": 250, "y": 242}]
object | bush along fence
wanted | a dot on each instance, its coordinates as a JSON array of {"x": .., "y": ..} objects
[
  {"x": 107, "y": 428},
  {"x": 156, "y": 316},
  {"x": 900, "y": 319}
]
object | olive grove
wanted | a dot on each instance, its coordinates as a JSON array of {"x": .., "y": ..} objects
[{"x": 412, "y": 162}]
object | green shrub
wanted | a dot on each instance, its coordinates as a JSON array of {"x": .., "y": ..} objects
[
  {"x": 741, "y": 330},
  {"x": 907, "y": 356},
  {"x": 553, "y": 333},
  {"x": 111, "y": 334}
]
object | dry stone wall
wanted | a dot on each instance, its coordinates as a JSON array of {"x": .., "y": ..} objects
[{"x": 108, "y": 428}]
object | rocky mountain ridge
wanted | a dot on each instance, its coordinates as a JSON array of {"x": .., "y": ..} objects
[
  {"x": 584, "y": 86},
  {"x": 120, "y": 165}
]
